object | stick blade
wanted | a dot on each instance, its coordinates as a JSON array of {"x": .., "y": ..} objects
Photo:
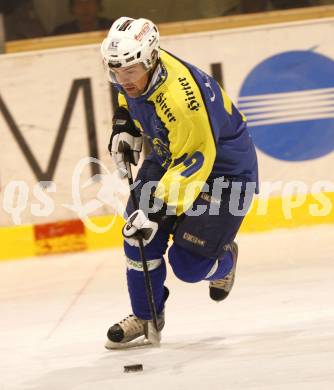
[{"x": 153, "y": 335}]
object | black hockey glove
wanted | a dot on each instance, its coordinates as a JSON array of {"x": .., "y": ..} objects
[
  {"x": 125, "y": 137},
  {"x": 139, "y": 226}
]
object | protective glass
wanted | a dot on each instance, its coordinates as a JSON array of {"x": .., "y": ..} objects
[{"x": 128, "y": 75}]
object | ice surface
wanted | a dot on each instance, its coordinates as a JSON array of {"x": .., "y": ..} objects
[{"x": 275, "y": 331}]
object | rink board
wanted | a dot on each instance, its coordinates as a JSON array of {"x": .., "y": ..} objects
[
  {"x": 53, "y": 116},
  {"x": 37, "y": 240}
]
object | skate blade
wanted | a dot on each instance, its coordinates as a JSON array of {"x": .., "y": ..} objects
[
  {"x": 153, "y": 336},
  {"x": 142, "y": 342}
]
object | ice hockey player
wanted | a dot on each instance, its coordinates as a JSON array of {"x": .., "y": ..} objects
[{"x": 198, "y": 139}]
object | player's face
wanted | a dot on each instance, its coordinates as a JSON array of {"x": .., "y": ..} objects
[{"x": 133, "y": 79}]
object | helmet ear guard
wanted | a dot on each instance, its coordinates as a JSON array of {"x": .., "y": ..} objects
[{"x": 154, "y": 56}]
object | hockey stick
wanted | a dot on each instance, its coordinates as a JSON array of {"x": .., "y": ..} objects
[{"x": 153, "y": 334}]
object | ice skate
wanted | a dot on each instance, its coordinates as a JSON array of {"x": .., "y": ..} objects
[
  {"x": 220, "y": 288},
  {"x": 134, "y": 332}
]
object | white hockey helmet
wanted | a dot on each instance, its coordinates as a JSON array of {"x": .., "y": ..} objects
[{"x": 131, "y": 41}]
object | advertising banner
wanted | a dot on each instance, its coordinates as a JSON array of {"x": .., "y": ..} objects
[{"x": 56, "y": 108}]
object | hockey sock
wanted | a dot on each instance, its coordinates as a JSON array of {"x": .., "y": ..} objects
[
  {"x": 154, "y": 252},
  {"x": 137, "y": 291}
]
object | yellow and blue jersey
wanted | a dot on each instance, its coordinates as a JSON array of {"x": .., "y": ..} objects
[{"x": 196, "y": 132}]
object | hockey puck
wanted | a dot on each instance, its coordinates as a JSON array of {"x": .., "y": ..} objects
[{"x": 133, "y": 368}]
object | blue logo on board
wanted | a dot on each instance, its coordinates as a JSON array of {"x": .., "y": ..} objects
[{"x": 288, "y": 100}]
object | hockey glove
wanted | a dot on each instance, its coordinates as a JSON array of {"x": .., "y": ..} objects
[
  {"x": 139, "y": 226},
  {"x": 125, "y": 141}
]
